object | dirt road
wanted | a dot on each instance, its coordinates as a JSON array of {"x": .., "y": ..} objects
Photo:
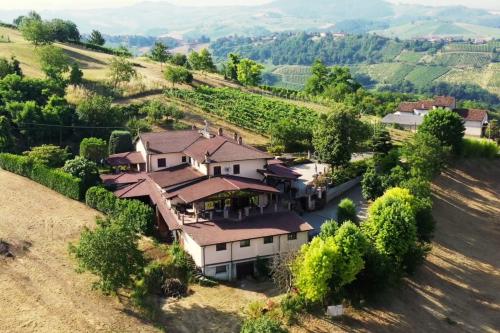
[{"x": 39, "y": 289}]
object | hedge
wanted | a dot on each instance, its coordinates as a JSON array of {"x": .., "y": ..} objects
[
  {"x": 54, "y": 179},
  {"x": 132, "y": 214}
]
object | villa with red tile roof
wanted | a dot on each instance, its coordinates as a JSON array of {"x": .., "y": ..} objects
[
  {"x": 226, "y": 202},
  {"x": 410, "y": 115}
]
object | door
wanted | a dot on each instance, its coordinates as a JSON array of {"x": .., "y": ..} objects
[{"x": 244, "y": 269}]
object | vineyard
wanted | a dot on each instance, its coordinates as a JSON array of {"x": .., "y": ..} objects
[
  {"x": 487, "y": 47},
  {"x": 386, "y": 72},
  {"x": 472, "y": 59},
  {"x": 411, "y": 57},
  {"x": 423, "y": 75},
  {"x": 250, "y": 111}
]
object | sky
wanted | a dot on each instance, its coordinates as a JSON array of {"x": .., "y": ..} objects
[{"x": 80, "y": 4}]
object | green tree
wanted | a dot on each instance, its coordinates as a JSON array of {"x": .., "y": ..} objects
[
  {"x": 94, "y": 149},
  {"x": 64, "y": 31},
  {"x": 178, "y": 75},
  {"x": 75, "y": 75},
  {"x": 155, "y": 110},
  {"x": 316, "y": 84},
  {"x": 381, "y": 142},
  {"x": 137, "y": 126},
  {"x": 26, "y": 115},
  {"x": 179, "y": 59},
  {"x": 54, "y": 62},
  {"x": 425, "y": 155},
  {"x": 336, "y": 135},
  {"x": 84, "y": 169},
  {"x": 120, "y": 142},
  {"x": 371, "y": 184},
  {"x": 9, "y": 67},
  {"x": 347, "y": 211},
  {"x": 159, "y": 52},
  {"x": 194, "y": 60},
  {"x": 447, "y": 126},
  {"x": 231, "y": 68},
  {"x": 111, "y": 253},
  {"x": 5, "y": 134},
  {"x": 391, "y": 225},
  {"x": 36, "y": 31},
  {"x": 329, "y": 229},
  {"x": 206, "y": 62},
  {"x": 121, "y": 70},
  {"x": 96, "y": 38},
  {"x": 50, "y": 155},
  {"x": 58, "y": 112},
  {"x": 97, "y": 111},
  {"x": 249, "y": 72}
]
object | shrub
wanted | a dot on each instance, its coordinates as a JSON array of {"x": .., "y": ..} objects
[
  {"x": 424, "y": 219},
  {"x": 54, "y": 179},
  {"x": 371, "y": 184},
  {"x": 50, "y": 155},
  {"x": 120, "y": 142},
  {"x": 476, "y": 148},
  {"x": 447, "y": 126},
  {"x": 94, "y": 149},
  {"x": 182, "y": 261},
  {"x": 264, "y": 324},
  {"x": 101, "y": 199},
  {"x": 292, "y": 305},
  {"x": 174, "y": 288},
  {"x": 328, "y": 229},
  {"x": 347, "y": 211},
  {"x": 84, "y": 169}
]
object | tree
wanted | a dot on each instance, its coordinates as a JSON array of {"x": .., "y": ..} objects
[
  {"x": 25, "y": 115},
  {"x": 316, "y": 84},
  {"x": 231, "y": 68},
  {"x": 36, "y": 31},
  {"x": 97, "y": 111},
  {"x": 371, "y": 184},
  {"x": 194, "y": 60},
  {"x": 50, "y": 155},
  {"x": 54, "y": 62},
  {"x": 425, "y": 155},
  {"x": 121, "y": 70},
  {"x": 447, "y": 126},
  {"x": 96, "y": 38},
  {"x": 64, "y": 31},
  {"x": 155, "y": 110},
  {"x": 137, "y": 126},
  {"x": 179, "y": 59},
  {"x": 160, "y": 53},
  {"x": 281, "y": 270},
  {"x": 205, "y": 61},
  {"x": 249, "y": 72},
  {"x": 5, "y": 134},
  {"x": 329, "y": 229},
  {"x": 75, "y": 75},
  {"x": 381, "y": 140},
  {"x": 347, "y": 211},
  {"x": 178, "y": 75},
  {"x": 111, "y": 253},
  {"x": 84, "y": 169},
  {"x": 9, "y": 67},
  {"x": 94, "y": 149},
  {"x": 391, "y": 225},
  {"x": 120, "y": 142},
  {"x": 57, "y": 111},
  {"x": 336, "y": 134},
  {"x": 17, "y": 21}
]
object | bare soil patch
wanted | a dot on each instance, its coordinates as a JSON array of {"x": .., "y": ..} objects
[{"x": 39, "y": 288}]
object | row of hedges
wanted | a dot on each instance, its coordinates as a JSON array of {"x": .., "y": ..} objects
[
  {"x": 133, "y": 214},
  {"x": 55, "y": 179},
  {"x": 479, "y": 148},
  {"x": 103, "y": 49}
]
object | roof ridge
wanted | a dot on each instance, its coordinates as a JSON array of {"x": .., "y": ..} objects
[
  {"x": 131, "y": 187},
  {"x": 230, "y": 182}
]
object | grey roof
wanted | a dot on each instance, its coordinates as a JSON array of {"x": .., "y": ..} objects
[{"x": 403, "y": 119}]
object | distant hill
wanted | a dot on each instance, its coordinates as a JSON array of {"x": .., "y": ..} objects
[{"x": 162, "y": 18}]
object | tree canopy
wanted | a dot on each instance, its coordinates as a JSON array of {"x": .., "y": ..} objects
[
  {"x": 96, "y": 38},
  {"x": 447, "y": 126}
]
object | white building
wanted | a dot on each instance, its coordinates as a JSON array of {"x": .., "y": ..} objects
[{"x": 227, "y": 203}]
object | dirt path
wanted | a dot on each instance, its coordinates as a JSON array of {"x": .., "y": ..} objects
[{"x": 39, "y": 289}]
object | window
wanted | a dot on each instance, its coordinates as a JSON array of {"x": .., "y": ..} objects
[
  {"x": 236, "y": 169},
  {"x": 162, "y": 163},
  {"x": 245, "y": 243},
  {"x": 220, "y": 247},
  {"x": 292, "y": 236},
  {"x": 268, "y": 240},
  {"x": 184, "y": 159},
  {"x": 220, "y": 269},
  {"x": 217, "y": 171}
]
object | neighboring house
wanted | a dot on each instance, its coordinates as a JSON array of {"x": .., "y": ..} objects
[
  {"x": 227, "y": 203},
  {"x": 410, "y": 115}
]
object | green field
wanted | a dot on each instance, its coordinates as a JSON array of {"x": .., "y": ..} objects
[
  {"x": 411, "y": 57},
  {"x": 385, "y": 73},
  {"x": 463, "y": 59},
  {"x": 423, "y": 75},
  {"x": 487, "y": 47}
]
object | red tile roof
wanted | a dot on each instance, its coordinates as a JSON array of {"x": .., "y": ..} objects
[
  {"x": 175, "y": 175},
  {"x": 122, "y": 178},
  {"x": 139, "y": 189},
  {"x": 280, "y": 170},
  {"x": 213, "y": 186},
  {"x": 472, "y": 114},
  {"x": 127, "y": 158},
  {"x": 439, "y": 101},
  {"x": 210, "y": 233},
  {"x": 444, "y": 101},
  {"x": 169, "y": 141}
]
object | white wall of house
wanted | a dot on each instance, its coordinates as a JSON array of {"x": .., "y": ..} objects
[
  {"x": 139, "y": 146},
  {"x": 473, "y": 128},
  {"x": 248, "y": 168},
  {"x": 193, "y": 249},
  {"x": 172, "y": 160}
]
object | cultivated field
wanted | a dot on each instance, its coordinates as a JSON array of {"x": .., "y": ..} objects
[{"x": 456, "y": 290}]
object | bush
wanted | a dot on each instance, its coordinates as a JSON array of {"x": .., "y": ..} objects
[
  {"x": 479, "y": 148},
  {"x": 347, "y": 211},
  {"x": 84, "y": 169},
  {"x": 54, "y": 179},
  {"x": 132, "y": 215},
  {"x": 120, "y": 142},
  {"x": 174, "y": 288},
  {"x": 264, "y": 324},
  {"x": 371, "y": 184},
  {"x": 94, "y": 149},
  {"x": 50, "y": 155},
  {"x": 292, "y": 305},
  {"x": 447, "y": 126}
]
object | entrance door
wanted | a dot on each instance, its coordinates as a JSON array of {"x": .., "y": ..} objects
[{"x": 244, "y": 269}]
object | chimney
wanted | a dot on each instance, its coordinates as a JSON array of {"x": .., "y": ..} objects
[
  {"x": 235, "y": 136},
  {"x": 221, "y": 131},
  {"x": 207, "y": 156},
  {"x": 240, "y": 140},
  {"x": 147, "y": 146}
]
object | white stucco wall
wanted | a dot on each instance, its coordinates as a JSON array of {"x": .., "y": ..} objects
[
  {"x": 248, "y": 168},
  {"x": 193, "y": 249},
  {"x": 473, "y": 128},
  {"x": 172, "y": 160}
]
